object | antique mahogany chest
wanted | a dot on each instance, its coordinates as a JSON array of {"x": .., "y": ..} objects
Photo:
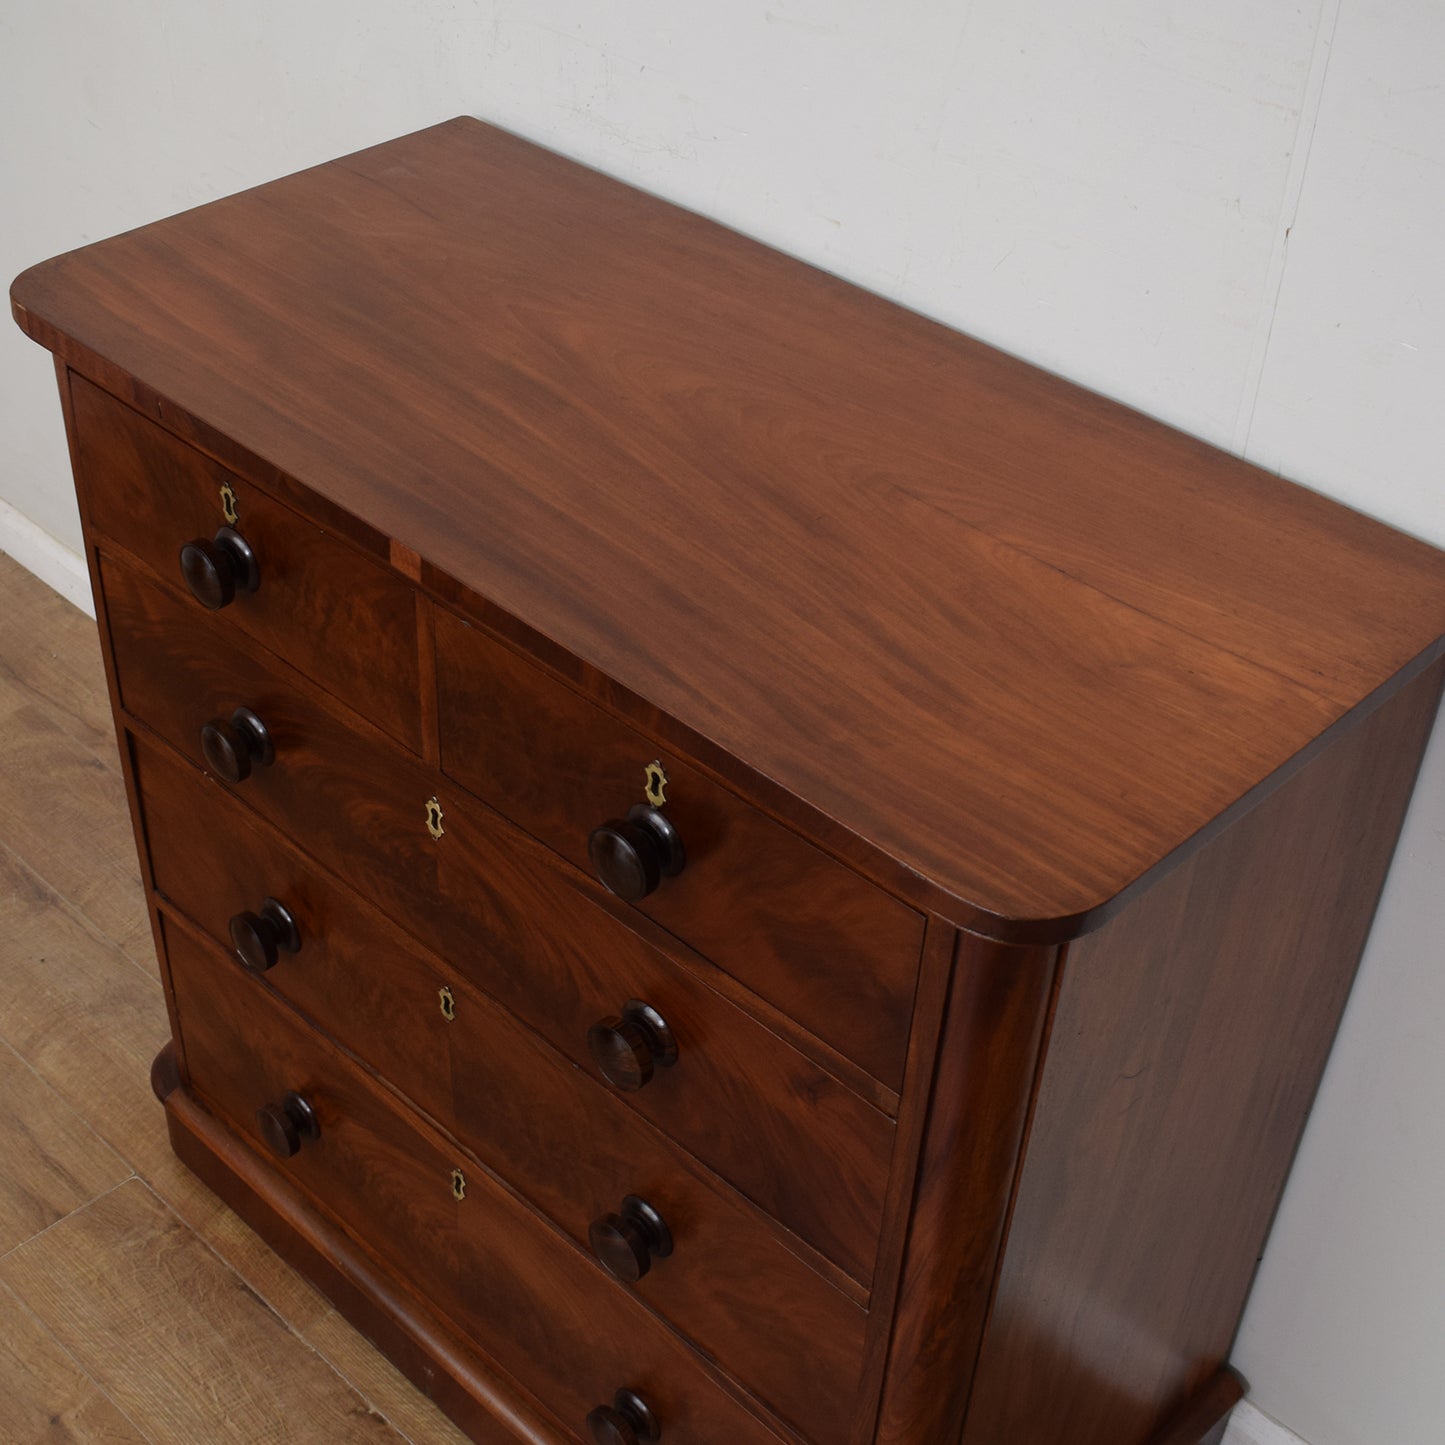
[{"x": 730, "y": 864}]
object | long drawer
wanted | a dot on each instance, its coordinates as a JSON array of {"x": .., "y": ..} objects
[
  {"x": 345, "y": 620},
  {"x": 781, "y": 1129},
  {"x": 476, "y": 1252},
  {"x": 731, "y": 1283},
  {"x": 797, "y": 927}
]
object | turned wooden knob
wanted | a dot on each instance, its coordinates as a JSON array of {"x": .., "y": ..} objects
[
  {"x": 287, "y": 1125},
  {"x": 628, "y": 1047},
  {"x": 260, "y": 938},
  {"x": 626, "y": 1243},
  {"x": 217, "y": 570},
  {"x": 233, "y": 745},
  {"x": 625, "y": 1421},
  {"x": 632, "y": 855}
]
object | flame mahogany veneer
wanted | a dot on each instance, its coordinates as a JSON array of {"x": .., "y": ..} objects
[{"x": 1003, "y": 784}]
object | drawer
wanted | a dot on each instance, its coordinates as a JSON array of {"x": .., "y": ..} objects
[
  {"x": 537, "y": 1306},
  {"x": 502, "y": 911},
  {"x": 809, "y": 935},
  {"x": 342, "y": 619},
  {"x": 572, "y": 1148}
]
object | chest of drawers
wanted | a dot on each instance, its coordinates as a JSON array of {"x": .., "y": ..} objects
[{"x": 730, "y": 865}]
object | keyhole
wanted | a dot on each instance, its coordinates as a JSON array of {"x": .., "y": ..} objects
[
  {"x": 655, "y": 787},
  {"x": 228, "y": 505},
  {"x": 459, "y": 1185},
  {"x": 434, "y": 818},
  {"x": 448, "y": 1003}
]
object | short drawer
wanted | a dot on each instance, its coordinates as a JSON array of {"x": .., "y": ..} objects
[
  {"x": 522, "y": 1291},
  {"x": 569, "y": 1146},
  {"x": 342, "y": 619},
  {"x": 828, "y": 948},
  {"x": 510, "y": 918}
]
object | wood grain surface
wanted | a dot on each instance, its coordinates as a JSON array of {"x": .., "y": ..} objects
[
  {"x": 1185, "y": 1049},
  {"x": 90, "y": 1030},
  {"x": 350, "y": 623},
  {"x": 509, "y": 915},
  {"x": 56, "y": 787},
  {"x": 201, "y": 1346},
  {"x": 1007, "y": 651},
  {"x": 413, "y": 1415},
  {"x": 1204, "y": 1420},
  {"x": 491, "y": 1406},
  {"x": 85, "y": 1017},
  {"x": 50, "y": 658},
  {"x": 54, "y": 1161},
  {"x": 1001, "y": 641},
  {"x": 993, "y": 1025},
  {"x": 737, "y": 1284},
  {"x": 539, "y": 1308},
  {"x": 44, "y": 1394},
  {"x": 754, "y": 897}
]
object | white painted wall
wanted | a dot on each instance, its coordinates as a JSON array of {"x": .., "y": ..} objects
[{"x": 1227, "y": 214}]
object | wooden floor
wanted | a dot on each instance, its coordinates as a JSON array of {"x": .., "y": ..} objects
[{"x": 133, "y": 1305}]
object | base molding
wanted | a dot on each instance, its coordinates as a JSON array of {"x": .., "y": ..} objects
[
  {"x": 486, "y": 1404},
  {"x": 1204, "y": 1420},
  {"x": 1251, "y": 1426},
  {"x": 50, "y": 560}
]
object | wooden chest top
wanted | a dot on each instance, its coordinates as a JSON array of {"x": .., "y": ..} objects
[{"x": 1006, "y": 646}]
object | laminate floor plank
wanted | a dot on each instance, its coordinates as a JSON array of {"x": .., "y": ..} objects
[
  {"x": 375, "y": 1377},
  {"x": 45, "y": 1397},
  {"x": 54, "y": 1161},
  {"x": 89, "y": 1024},
  {"x": 50, "y": 655},
  {"x": 175, "y": 1338},
  {"x": 81, "y": 1017},
  {"x": 64, "y": 811}
]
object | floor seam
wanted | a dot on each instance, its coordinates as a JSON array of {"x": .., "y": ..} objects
[
  {"x": 79, "y": 1368},
  {"x": 78, "y": 915},
  {"x": 290, "y": 1326},
  {"x": 70, "y": 1214}
]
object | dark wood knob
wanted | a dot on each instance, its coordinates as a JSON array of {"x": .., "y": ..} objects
[
  {"x": 628, "y": 1419},
  {"x": 628, "y": 1047},
  {"x": 287, "y": 1125},
  {"x": 233, "y": 745},
  {"x": 626, "y": 1243},
  {"x": 260, "y": 938},
  {"x": 632, "y": 855},
  {"x": 217, "y": 570}
]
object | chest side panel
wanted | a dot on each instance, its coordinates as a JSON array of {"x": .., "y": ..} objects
[{"x": 1186, "y": 1046}]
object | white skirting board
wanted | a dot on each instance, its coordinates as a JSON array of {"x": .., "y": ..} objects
[
  {"x": 51, "y": 561},
  {"x": 1249, "y": 1426}
]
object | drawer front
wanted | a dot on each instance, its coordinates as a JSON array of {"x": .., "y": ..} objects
[
  {"x": 828, "y": 948},
  {"x": 523, "y": 1292},
  {"x": 570, "y": 1146},
  {"x": 342, "y": 619},
  {"x": 783, "y": 1131}
]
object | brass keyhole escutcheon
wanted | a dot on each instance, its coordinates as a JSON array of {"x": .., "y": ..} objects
[
  {"x": 656, "y": 787},
  {"x": 448, "y": 1003},
  {"x": 228, "y": 505},
  {"x": 459, "y": 1185},
  {"x": 434, "y": 818}
]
